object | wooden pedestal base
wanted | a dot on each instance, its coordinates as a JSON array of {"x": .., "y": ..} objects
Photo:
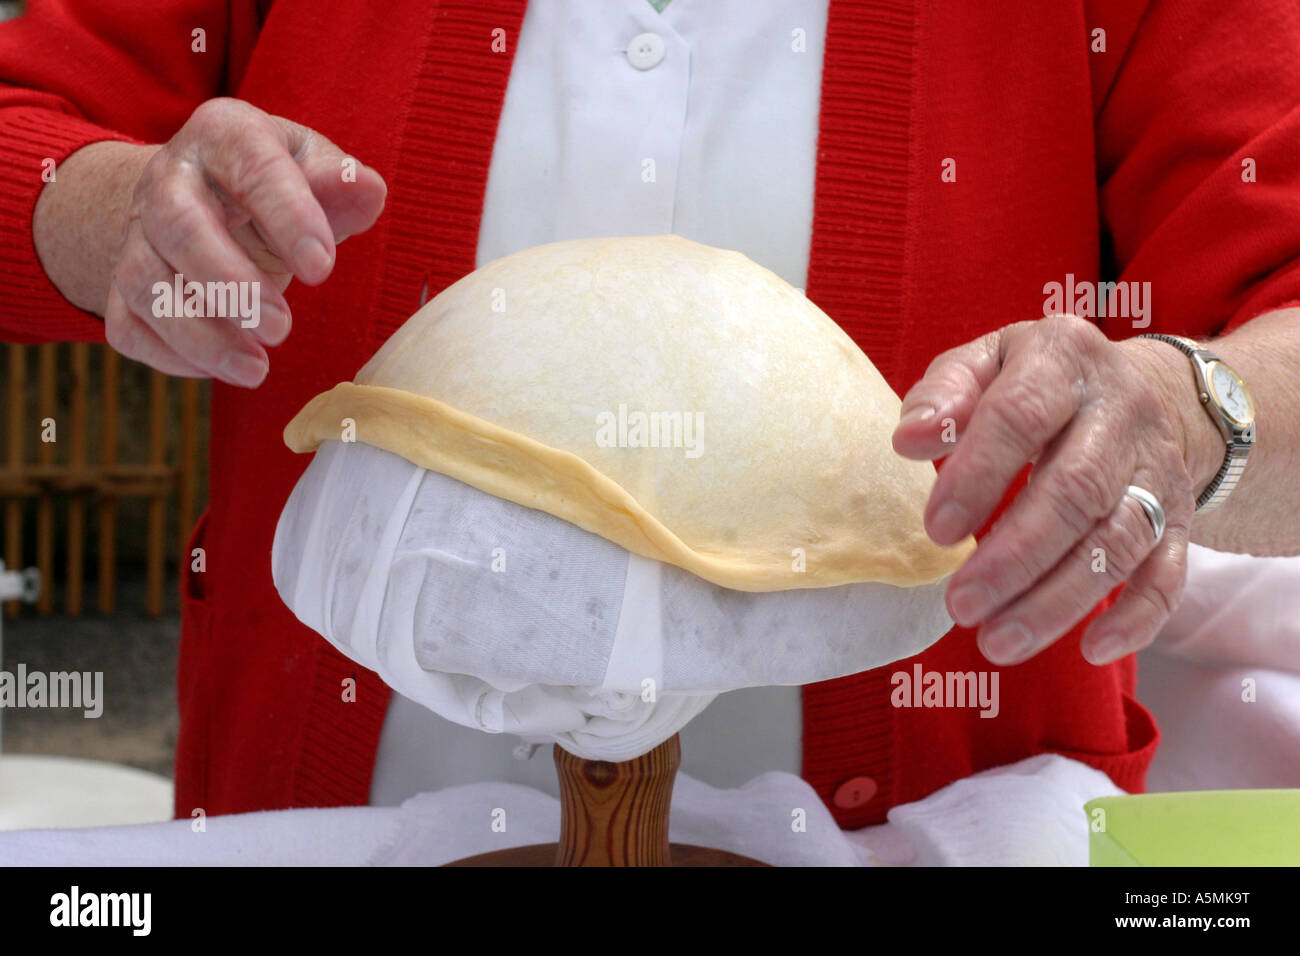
[
  {"x": 614, "y": 814},
  {"x": 543, "y": 854}
]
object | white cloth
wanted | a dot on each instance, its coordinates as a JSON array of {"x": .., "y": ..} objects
[
  {"x": 729, "y": 114},
  {"x": 740, "y": 735},
  {"x": 1030, "y": 813},
  {"x": 1222, "y": 727},
  {"x": 1223, "y": 678},
  {"x": 1237, "y": 609},
  {"x": 510, "y": 620}
]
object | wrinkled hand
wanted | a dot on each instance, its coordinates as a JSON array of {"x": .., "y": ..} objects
[
  {"x": 236, "y": 195},
  {"x": 1094, "y": 416}
]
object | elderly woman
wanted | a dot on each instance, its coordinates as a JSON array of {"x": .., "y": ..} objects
[{"x": 995, "y": 200}]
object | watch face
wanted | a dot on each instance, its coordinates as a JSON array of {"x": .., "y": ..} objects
[{"x": 1231, "y": 394}]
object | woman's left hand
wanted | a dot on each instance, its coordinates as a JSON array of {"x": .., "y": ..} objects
[{"x": 1094, "y": 416}]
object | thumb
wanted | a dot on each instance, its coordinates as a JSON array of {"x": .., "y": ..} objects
[{"x": 352, "y": 200}]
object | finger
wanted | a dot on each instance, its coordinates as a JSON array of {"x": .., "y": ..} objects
[
  {"x": 128, "y": 335},
  {"x": 185, "y": 222},
  {"x": 145, "y": 282},
  {"x": 1078, "y": 481},
  {"x": 258, "y": 170},
  {"x": 1107, "y": 556},
  {"x": 254, "y": 245},
  {"x": 1145, "y": 605},
  {"x": 1024, "y": 408},
  {"x": 940, "y": 404}
]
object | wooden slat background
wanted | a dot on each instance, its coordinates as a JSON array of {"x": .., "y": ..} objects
[{"x": 86, "y": 475}]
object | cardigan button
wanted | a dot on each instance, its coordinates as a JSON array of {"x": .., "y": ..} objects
[
  {"x": 854, "y": 793},
  {"x": 646, "y": 51}
]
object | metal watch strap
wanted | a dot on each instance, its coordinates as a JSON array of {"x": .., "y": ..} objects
[
  {"x": 1234, "y": 459},
  {"x": 1186, "y": 346},
  {"x": 1217, "y": 491}
]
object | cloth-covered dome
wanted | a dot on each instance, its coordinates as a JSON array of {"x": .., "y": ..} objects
[
  {"x": 488, "y": 525},
  {"x": 675, "y": 399}
]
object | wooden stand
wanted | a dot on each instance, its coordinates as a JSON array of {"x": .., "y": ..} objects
[{"x": 614, "y": 814}]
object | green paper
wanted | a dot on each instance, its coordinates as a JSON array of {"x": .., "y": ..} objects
[
  {"x": 1199, "y": 828},
  {"x": 659, "y": 5}
]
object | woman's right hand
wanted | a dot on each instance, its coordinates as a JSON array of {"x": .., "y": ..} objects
[{"x": 237, "y": 195}]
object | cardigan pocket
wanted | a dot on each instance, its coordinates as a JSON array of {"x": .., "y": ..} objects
[{"x": 194, "y": 586}]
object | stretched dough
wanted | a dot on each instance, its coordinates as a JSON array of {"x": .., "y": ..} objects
[{"x": 676, "y": 399}]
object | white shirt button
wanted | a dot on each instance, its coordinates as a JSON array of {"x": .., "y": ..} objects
[{"x": 646, "y": 51}]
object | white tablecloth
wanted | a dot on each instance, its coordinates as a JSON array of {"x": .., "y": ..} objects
[
  {"x": 1028, "y": 813},
  {"x": 1223, "y": 682}
]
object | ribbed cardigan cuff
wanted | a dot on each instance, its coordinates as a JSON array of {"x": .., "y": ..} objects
[
  {"x": 1128, "y": 770},
  {"x": 31, "y": 308}
]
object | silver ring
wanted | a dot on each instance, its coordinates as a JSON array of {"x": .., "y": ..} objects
[{"x": 1155, "y": 514}]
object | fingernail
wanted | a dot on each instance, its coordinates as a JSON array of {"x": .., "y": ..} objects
[
  {"x": 1007, "y": 643},
  {"x": 914, "y": 416},
  {"x": 950, "y": 523},
  {"x": 275, "y": 325},
  {"x": 243, "y": 369},
  {"x": 1106, "y": 649},
  {"x": 313, "y": 262},
  {"x": 971, "y": 603}
]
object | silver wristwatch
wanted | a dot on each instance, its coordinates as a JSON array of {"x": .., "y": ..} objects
[{"x": 1229, "y": 404}]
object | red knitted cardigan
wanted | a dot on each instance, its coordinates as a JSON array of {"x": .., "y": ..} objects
[{"x": 1124, "y": 162}]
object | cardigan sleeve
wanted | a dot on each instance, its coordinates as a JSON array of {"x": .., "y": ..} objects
[
  {"x": 74, "y": 72},
  {"x": 1198, "y": 157}
]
